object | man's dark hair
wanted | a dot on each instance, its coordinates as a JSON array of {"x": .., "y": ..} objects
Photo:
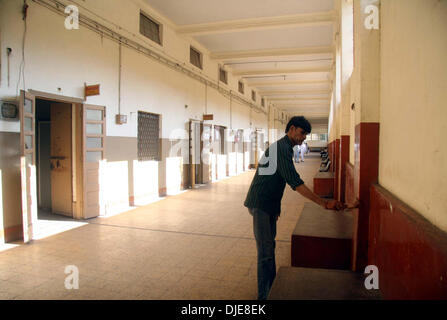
[{"x": 299, "y": 122}]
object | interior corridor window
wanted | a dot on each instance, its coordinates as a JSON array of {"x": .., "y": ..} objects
[
  {"x": 223, "y": 77},
  {"x": 195, "y": 57},
  {"x": 150, "y": 29},
  {"x": 241, "y": 87},
  {"x": 148, "y": 136}
]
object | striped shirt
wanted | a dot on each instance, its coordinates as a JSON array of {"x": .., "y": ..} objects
[{"x": 267, "y": 188}]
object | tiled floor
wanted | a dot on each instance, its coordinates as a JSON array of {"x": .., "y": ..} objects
[{"x": 195, "y": 245}]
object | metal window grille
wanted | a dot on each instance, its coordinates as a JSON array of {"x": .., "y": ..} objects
[
  {"x": 148, "y": 136},
  {"x": 150, "y": 28}
]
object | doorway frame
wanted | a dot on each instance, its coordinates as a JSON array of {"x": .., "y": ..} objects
[
  {"x": 76, "y": 138},
  {"x": 78, "y": 107}
]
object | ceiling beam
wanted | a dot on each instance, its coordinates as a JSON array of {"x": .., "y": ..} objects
[
  {"x": 309, "y": 116},
  {"x": 280, "y": 71},
  {"x": 308, "y": 19},
  {"x": 300, "y": 99},
  {"x": 293, "y": 92},
  {"x": 281, "y": 83},
  {"x": 318, "y": 106},
  {"x": 232, "y": 55}
]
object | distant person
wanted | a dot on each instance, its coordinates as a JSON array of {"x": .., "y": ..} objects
[
  {"x": 266, "y": 191},
  {"x": 303, "y": 150},
  {"x": 296, "y": 153}
]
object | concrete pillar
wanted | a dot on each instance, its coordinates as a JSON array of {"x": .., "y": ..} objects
[
  {"x": 365, "y": 86},
  {"x": 347, "y": 64}
]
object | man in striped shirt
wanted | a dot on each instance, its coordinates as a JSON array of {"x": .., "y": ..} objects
[{"x": 263, "y": 200}]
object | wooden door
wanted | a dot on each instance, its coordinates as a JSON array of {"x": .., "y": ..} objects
[
  {"x": 253, "y": 149},
  {"x": 205, "y": 151},
  {"x": 94, "y": 130},
  {"x": 44, "y": 165},
  {"x": 27, "y": 109},
  {"x": 194, "y": 152},
  {"x": 198, "y": 153},
  {"x": 61, "y": 159},
  {"x": 191, "y": 170}
]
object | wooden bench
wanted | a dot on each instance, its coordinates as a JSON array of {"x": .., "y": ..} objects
[
  {"x": 324, "y": 184},
  {"x": 320, "y": 284},
  {"x": 322, "y": 238}
]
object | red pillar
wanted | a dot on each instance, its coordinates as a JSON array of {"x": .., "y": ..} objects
[
  {"x": 336, "y": 168},
  {"x": 366, "y": 173}
]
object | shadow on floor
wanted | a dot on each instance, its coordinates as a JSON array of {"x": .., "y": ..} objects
[{"x": 49, "y": 224}]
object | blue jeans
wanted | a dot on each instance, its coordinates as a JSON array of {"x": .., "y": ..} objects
[
  {"x": 264, "y": 228},
  {"x": 296, "y": 156}
]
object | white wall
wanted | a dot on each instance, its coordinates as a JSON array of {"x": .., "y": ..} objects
[
  {"x": 58, "y": 58},
  {"x": 413, "y": 148}
]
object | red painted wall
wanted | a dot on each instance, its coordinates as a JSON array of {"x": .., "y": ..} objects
[
  {"x": 331, "y": 154},
  {"x": 344, "y": 158},
  {"x": 351, "y": 196},
  {"x": 410, "y": 252}
]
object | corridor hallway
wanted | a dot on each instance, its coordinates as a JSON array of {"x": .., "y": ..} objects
[{"x": 195, "y": 245}]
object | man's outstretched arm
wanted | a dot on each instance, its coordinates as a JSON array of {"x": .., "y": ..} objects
[{"x": 327, "y": 204}]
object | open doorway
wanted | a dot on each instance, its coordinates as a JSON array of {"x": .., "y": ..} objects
[
  {"x": 200, "y": 137},
  {"x": 62, "y": 157},
  {"x": 54, "y": 167},
  {"x": 54, "y": 157}
]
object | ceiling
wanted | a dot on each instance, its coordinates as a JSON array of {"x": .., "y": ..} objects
[{"x": 282, "y": 48}]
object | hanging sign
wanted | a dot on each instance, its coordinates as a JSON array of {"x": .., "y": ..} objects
[{"x": 91, "y": 90}]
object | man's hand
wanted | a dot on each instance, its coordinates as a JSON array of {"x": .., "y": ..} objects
[
  {"x": 331, "y": 204},
  {"x": 335, "y": 205}
]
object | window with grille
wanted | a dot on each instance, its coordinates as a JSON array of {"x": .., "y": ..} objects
[
  {"x": 150, "y": 29},
  {"x": 253, "y": 95},
  {"x": 195, "y": 57},
  {"x": 241, "y": 87},
  {"x": 223, "y": 76},
  {"x": 148, "y": 136}
]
